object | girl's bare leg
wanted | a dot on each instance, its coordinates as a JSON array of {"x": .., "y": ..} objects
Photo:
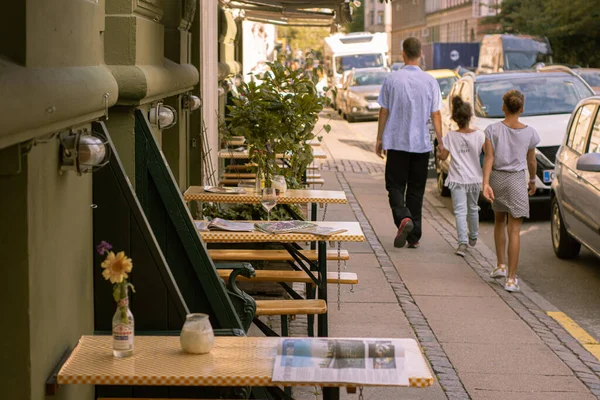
[
  {"x": 500, "y": 236},
  {"x": 514, "y": 245}
]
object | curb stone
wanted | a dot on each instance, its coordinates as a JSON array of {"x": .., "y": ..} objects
[
  {"x": 481, "y": 259},
  {"x": 440, "y": 363}
]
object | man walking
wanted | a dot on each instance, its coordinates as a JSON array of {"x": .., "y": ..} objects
[{"x": 408, "y": 98}]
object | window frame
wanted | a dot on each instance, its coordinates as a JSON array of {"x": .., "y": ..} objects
[
  {"x": 591, "y": 131},
  {"x": 574, "y": 126}
]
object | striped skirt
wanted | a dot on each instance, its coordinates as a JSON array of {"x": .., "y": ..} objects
[{"x": 510, "y": 193}]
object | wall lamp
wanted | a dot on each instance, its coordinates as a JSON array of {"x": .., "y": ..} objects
[
  {"x": 190, "y": 102},
  {"x": 83, "y": 151},
  {"x": 164, "y": 117}
]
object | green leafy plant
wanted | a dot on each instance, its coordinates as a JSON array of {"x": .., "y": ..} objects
[{"x": 277, "y": 116}]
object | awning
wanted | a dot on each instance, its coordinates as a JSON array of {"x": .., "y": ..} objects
[{"x": 293, "y": 12}]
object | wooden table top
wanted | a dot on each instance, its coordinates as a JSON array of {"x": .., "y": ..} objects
[
  {"x": 291, "y": 196},
  {"x": 233, "y": 361},
  {"x": 317, "y": 154},
  {"x": 353, "y": 234}
]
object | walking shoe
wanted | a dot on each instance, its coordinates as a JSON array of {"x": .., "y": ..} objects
[
  {"x": 512, "y": 285},
  {"x": 461, "y": 250},
  {"x": 406, "y": 227},
  {"x": 413, "y": 245},
  {"x": 472, "y": 242},
  {"x": 499, "y": 271}
]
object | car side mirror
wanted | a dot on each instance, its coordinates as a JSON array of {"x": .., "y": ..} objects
[{"x": 589, "y": 162}]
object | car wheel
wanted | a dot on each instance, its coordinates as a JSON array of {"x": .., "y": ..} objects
[
  {"x": 442, "y": 190},
  {"x": 350, "y": 118},
  {"x": 565, "y": 246}
]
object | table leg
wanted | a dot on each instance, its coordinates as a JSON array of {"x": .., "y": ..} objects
[
  {"x": 310, "y": 288},
  {"x": 331, "y": 393},
  {"x": 323, "y": 329}
]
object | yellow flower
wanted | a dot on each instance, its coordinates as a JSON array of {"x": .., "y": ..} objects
[{"x": 116, "y": 267}]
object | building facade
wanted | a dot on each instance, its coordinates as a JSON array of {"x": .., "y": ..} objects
[
  {"x": 66, "y": 65},
  {"x": 435, "y": 21}
]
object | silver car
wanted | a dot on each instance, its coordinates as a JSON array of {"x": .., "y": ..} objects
[{"x": 575, "y": 190}]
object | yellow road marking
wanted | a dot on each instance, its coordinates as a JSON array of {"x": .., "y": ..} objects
[{"x": 586, "y": 340}]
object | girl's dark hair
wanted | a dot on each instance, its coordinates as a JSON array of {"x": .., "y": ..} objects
[
  {"x": 513, "y": 101},
  {"x": 461, "y": 112}
]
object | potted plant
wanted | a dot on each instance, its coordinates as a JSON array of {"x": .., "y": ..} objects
[{"x": 277, "y": 116}]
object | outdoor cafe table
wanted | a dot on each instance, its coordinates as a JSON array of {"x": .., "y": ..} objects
[
  {"x": 290, "y": 196},
  {"x": 317, "y": 154},
  {"x": 233, "y": 361},
  {"x": 353, "y": 233}
]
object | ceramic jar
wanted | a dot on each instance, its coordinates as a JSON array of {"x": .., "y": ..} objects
[{"x": 197, "y": 336}]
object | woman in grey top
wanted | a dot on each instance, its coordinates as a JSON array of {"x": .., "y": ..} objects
[{"x": 509, "y": 151}]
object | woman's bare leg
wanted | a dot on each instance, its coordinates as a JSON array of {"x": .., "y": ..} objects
[
  {"x": 500, "y": 236},
  {"x": 514, "y": 245}
]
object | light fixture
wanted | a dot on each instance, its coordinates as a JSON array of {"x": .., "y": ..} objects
[
  {"x": 190, "y": 102},
  {"x": 83, "y": 151},
  {"x": 164, "y": 117}
]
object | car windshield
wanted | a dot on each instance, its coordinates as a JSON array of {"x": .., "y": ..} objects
[
  {"x": 591, "y": 77},
  {"x": 346, "y": 63},
  {"x": 543, "y": 95},
  {"x": 369, "y": 78},
  {"x": 446, "y": 85},
  {"x": 515, "y": 60}
]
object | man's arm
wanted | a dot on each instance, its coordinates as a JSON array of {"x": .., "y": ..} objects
[{"x": 383, "y": 116}]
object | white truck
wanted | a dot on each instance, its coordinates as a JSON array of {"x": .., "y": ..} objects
[{"x": 354, "y": 50}]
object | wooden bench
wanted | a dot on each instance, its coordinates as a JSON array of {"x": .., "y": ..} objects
[
  {"x": 290, "y": 307},
  {"x": 272, "y": 255},
  {"x": 346, "y": 278},
  {"x": 252, "y": 175},
  {"x": 234, "y": 182}
]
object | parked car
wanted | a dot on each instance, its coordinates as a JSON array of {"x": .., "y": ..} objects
[
  {"x": 503, "y": 52},
  {"x": 550, "y": 97},
  {"x": 339, "y": 96},
  {"x": 576, "y": 186},
  {"x": 591, "y": 76},
  {"x": 360, "y": 93},
  {"x": 445, "y": 78}
]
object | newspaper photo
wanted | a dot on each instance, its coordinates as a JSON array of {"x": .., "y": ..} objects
[{"x": 351, "y": 361}]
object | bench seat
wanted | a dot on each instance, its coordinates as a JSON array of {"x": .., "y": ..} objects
[
  {"x": 234, "y": 181},
  {"x": 290, "y": 307},
  {"x": 272, "y": 255},
  {"x": 252, "y": 175},
  {"x": 346, "y": 278}
]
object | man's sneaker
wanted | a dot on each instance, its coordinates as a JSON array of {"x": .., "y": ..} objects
[
  {"x": 472, "y": 242},
  {"x": 414, "y": 245},
  {"x": 406, "y": 227},
  {"x": 499, "y": 271},
  {"x": 512, "y": 285},
  {"x": 461, "y": 250}
]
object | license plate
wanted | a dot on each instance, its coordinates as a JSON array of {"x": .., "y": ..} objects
[
  {"x": 374, "y": 106},
  {"x": 548, "y": 176}
]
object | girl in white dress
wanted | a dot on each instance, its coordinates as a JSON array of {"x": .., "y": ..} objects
[{"x": 464, "y": 175}]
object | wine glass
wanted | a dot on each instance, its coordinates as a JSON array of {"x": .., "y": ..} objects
[{"x": 269, "y": 200}]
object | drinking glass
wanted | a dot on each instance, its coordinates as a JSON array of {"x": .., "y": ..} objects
[{"x": 269, "y": 200}]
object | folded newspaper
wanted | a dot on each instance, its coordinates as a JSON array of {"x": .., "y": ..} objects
[
  {"x": 219, "y": 224},
  {"x": 350, "y": 361},
  {"x": 280, "y": 227}
]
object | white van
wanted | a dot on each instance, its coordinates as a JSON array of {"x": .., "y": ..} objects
[
  {"x": 499, "y": 53},
  {"x": 353, "y": 51}
]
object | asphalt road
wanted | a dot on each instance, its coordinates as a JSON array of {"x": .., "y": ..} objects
[{"x": 572, "y": 286}]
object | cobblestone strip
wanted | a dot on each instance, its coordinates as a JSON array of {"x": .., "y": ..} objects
[
  {"x": 359, "y": 167},
  {"x": 585, "y": 366},
  {"x": 442, "y": 367}
]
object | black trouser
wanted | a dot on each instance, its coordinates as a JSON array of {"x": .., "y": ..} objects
[{"x": 405, "y": 180}]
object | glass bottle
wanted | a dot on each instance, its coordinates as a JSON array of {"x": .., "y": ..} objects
[{"x": 123, "y": 325}]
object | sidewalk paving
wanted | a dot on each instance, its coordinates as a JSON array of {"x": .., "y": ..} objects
[{"x": 481, "y": 342}]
